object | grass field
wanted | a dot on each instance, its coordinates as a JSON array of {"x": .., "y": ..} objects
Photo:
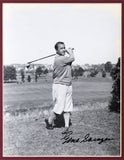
[{"x": 26, "y": 105}]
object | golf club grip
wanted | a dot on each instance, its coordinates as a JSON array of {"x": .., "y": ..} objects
[{"x": 41, "y": 58}]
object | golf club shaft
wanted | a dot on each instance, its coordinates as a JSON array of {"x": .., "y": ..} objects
[{"x": 41, "y": 58}]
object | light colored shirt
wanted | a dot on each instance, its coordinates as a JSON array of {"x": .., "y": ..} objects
[{"x": 62, "y": 70}]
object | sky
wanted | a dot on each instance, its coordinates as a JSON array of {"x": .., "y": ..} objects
[{"x": 30, "y": 31}]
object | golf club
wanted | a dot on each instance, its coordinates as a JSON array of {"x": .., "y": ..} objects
[{"x": 28, "y": 64}]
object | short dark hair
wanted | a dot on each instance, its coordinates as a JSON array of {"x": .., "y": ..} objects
[{"x": 56, "y": 45}]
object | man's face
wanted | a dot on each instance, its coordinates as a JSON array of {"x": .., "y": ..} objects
[{"x": 61, "y": 49}]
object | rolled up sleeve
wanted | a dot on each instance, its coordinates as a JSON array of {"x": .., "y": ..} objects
[{"x": 67, "y": 60}]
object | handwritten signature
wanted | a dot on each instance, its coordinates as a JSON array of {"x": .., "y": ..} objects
[{"x": 67, "y": 138}]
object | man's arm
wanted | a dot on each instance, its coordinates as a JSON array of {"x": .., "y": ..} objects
[{"x": 71, "y": 57}]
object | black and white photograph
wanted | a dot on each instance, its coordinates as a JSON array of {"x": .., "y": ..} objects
[{"x": 61, "y": 79}]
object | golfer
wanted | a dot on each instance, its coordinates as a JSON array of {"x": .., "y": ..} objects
[{"x": 62, "y": 85}]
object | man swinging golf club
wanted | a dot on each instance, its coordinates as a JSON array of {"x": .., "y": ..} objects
[{"x": 62, "y": 85}]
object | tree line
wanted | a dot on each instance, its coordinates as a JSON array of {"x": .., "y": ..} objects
[{"x": 10, "y": 72}]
